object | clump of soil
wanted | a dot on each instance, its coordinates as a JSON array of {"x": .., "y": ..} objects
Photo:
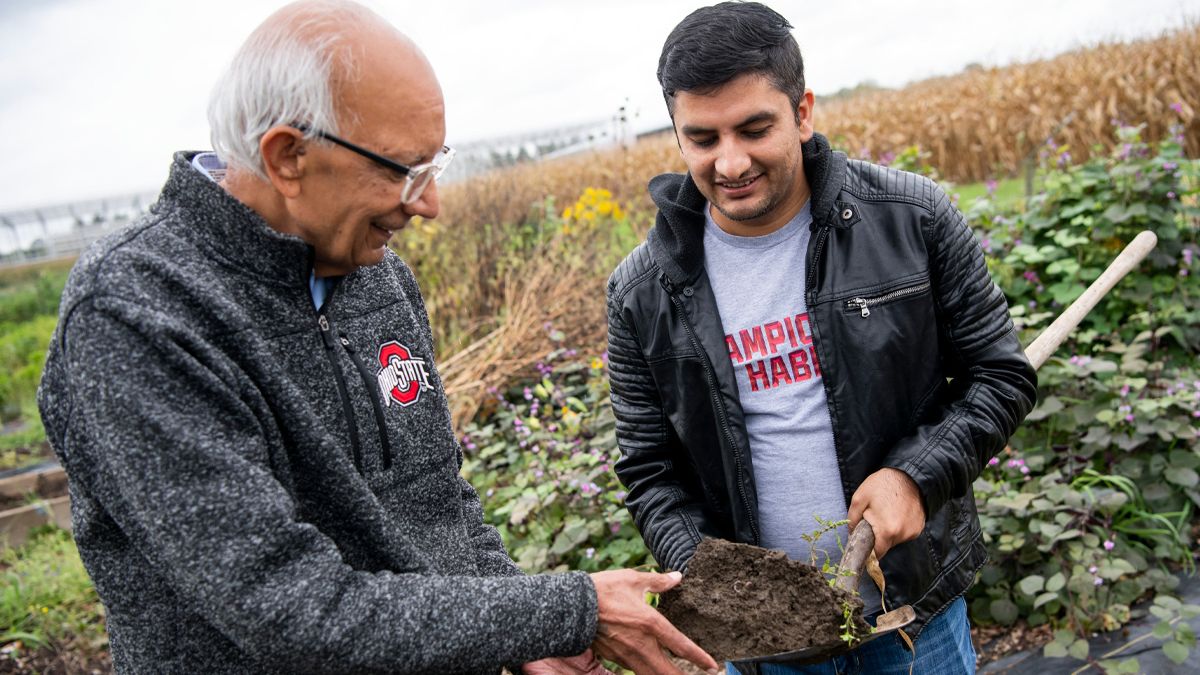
[{"x": 738, "y": 601}]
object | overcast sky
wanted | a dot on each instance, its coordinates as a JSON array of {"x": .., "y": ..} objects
[{"x": 96, "y": 94}]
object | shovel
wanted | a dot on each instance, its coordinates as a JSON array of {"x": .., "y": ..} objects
[
  {"x": 862, "y": 539},
  {"x": 854, "y": 560}
]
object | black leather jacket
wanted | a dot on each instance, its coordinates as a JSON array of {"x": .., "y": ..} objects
[{"x": 928, "y": 378}]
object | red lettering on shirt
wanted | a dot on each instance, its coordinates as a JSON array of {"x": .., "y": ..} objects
[
  {"x": 752, "y": 342},
  {"x": 760, "y": 350},
  {"x": 758, "y": 375}
]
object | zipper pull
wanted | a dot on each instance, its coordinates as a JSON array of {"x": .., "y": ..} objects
[
  {"x": 345, "y": 342},
  {"x": 862, "y": 305},
  {"x": 326, "y": 336}
]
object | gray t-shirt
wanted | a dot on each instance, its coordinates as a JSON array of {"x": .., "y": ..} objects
[{"x": 759, "y": 286}]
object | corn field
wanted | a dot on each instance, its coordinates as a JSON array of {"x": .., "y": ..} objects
[
  {"x": 498, "y": 265},
  {"x": 985, "y": 123}
]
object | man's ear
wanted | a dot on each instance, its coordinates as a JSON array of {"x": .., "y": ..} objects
[
  {"x": 283, "y": 151},
  {"x": 804, "y": 116}
]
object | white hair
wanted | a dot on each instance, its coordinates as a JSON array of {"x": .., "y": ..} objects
[{"x": 284, "y": 74}]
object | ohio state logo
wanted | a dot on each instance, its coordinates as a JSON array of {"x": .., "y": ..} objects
[{"x": 401, "y": 377}]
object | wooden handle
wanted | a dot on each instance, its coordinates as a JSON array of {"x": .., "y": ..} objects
[
  {"x": 862, "y": 542},
  {"x": 1047, "y": 343}
]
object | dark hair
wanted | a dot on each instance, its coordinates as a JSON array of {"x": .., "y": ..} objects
[{"x": 714, "y": 45}]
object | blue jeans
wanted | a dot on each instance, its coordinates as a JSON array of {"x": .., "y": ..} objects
[{"x": 944, "y": 648}]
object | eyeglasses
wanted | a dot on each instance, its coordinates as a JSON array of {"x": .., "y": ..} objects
[{"x": 417, "y": 178}]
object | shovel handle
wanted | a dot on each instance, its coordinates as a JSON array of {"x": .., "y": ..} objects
[
  {"x": 862, "y": 542},
  {"x": 1048, "y": 342}
]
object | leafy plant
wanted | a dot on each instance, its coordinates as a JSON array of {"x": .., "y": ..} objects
[
  {"x": 1093, "y": 506},
  {"x": 542, "y": 459}
]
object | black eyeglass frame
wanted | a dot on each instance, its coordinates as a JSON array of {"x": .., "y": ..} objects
[{"x": 412, "y": 189}]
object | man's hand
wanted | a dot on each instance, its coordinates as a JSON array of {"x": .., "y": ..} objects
[
  {"x": 891, "y": 502},
  {"x": 633, "y": 633},
  {"x": 584, "y": 664}
]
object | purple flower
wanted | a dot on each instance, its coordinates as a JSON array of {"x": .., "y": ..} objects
[
  {"x": 589, "y": 552},
  {"x": 1170, "y": 166},
  {"x": 528, "y": 394},
  {"x": 1129, "y": 418},
  {"x": 1109, "y": 544},
  {"x": 1092, "y": 569},
  {"x": 993, "y": 461},
  {"x": 1025, "y": 470},
  {"x": 1196, "y": 413},
  {"x": 614, "y": 528},
  {"x": 538, "y": 474},
  {"x": 1177, "y": 107},
  {"x": 620, "y": 495},
  {"x": 991, "y": 186},
  {"x": 516, "y": 421},
  {"x": 1032, "y": 304},
  {"x": 1187, "y": 257},
  {"x": 490, "y": 492},
  {"x": 1099, "y": 581},
  {"x": 1125, "y": 390},
  {"x": 1170, "y": 195}
]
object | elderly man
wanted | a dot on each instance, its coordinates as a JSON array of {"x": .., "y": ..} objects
[
  {"x": 264, "y": 477},
  {"x": 803, "y": 335}
]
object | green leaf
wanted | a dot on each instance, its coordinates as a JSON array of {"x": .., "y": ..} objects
[
  {"x": 1031, "y": 584},
  {"x": 1054, "y": 650},
  {"x": 1044, "y": 598},
  {"x": 1004, "y": 611},
  {"x": 1163, "y": 630},
  {"x": 1048, "y": 407},
  {"x": 1175, "y": 651},
  {"x": 1056, "y": 582},
  {"x": 1130, "y": 665},
  {"x": 1079, "y": 649},
  {"x": 1182, "y": 476}
]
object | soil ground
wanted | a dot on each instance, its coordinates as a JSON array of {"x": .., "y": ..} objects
[{"x": 740, "y": 601}]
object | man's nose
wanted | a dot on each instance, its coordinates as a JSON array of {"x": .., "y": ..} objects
[
  {"x": 427, "y": 205},
  {"x": 732, "y": 160}
]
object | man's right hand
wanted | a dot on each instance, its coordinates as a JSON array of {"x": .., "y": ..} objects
[{"x": 632, "y": 633}]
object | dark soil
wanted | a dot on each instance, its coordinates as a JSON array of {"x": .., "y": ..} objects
[
  {"x": 49, "y": 661},
  {"x": 738, "y": 601}
]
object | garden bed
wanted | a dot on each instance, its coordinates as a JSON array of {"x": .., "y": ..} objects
[{"x": 30, "y": 499}]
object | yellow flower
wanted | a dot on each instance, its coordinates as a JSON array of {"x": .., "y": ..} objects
[
  {"x": 617, "y": 212},
  {"x": 605, "y": 208},
  {"x": 567, "y": 213},
  {"x": 597, "y": 364}
]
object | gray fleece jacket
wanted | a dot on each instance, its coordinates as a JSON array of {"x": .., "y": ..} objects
[{"x": 259, "y": 486}]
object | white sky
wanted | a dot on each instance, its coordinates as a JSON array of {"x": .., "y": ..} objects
[{"x": 95, "y": 95}]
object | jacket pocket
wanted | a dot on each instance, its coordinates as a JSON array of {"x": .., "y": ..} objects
[{"x": 862, "y": 304}]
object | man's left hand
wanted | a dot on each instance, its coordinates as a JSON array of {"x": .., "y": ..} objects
[
  {"x": 891, "y": 502},
  {"x": 584, "y": 664}
]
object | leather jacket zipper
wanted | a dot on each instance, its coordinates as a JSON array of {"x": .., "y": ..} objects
[
  {"x": 863, "y": 305},
  {"x": 370, "y": 382},
  {"x": 717, "y": 405},
  {"x": 347, "y": 409}
]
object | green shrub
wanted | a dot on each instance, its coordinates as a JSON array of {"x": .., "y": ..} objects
[
  {"x": 1095, "y": 508},
  {"x": 542, "y": 462}
]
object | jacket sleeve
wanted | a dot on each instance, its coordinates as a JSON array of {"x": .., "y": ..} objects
[
  {"x": 160, "y": 437},
  {"x": 670, "y": 519},
  {"x": 992, "y": 384},
  {"x": 491, "y": 558}
]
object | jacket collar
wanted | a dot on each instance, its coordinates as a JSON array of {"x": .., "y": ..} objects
[
  {"x": 677, "y": 239},
  {"x": 229, "y": 229}
]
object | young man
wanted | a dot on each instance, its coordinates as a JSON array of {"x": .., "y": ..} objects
[
  {"x": 264, "y": 477},
  {"x": 802, "y": 335}
]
